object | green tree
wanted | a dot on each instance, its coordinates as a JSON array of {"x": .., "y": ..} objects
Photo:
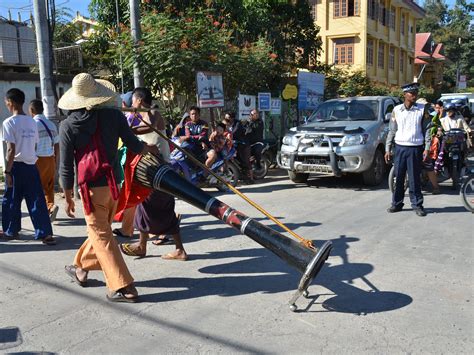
[
  {"x": 173, "y": 48},
  {"x": 286, "y": 25},
  {"x": 454, "y": 29},
  {"x": 436, "y": 17},
  {"x": 64, "y": 32}
]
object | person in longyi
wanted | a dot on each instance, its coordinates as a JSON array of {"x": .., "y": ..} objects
[
  {"x": 155, "y": 214},
  {"x": 92, "y": 130}
]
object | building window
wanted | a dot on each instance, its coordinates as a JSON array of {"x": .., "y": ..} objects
[
  {"x": 382, "y": 13},
  {"x": 402, "y": 61},
  {"x": 373, "y": 9},
  {"x": 392, "y": 18},
  {"x": 391, "y": 58},
  {"x": 61, "y": 91},
  {"x": 410, "y": 60},
  {"x": 346, "y": 8},
  {"x": 381, "y": 56},
  {"x": 312, "y": 6},
  {"x": 370, "y": 52},
  {"x": 402, "y": 24},
  {"x": 38, "y": 93},
  {"x": 344, "y": 51}
]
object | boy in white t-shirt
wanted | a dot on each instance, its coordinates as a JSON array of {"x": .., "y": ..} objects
[{"x": 22, "y": 180}]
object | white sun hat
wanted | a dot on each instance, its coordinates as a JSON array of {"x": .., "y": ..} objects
[
  {"x": 115, "y": 101},
  {"x": 85, "y": 92}
]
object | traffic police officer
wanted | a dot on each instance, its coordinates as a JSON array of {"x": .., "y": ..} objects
[{"x": 412, "y": 142}]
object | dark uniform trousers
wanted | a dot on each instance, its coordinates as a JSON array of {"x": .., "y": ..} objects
[{"x": 408, "y": 159}]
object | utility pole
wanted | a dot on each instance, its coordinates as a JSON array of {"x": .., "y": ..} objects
[
  {"x": 136, "y": 35},
  {"x": 457, "y": 66},
  {"x": 44, "y": 59},
  {"x": 120, "y": 48}
]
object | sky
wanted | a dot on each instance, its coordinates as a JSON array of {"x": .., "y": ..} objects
[{"x": 26, "y": 6}]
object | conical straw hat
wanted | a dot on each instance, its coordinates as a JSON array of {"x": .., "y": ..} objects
[{"x": 85, "y": 92}]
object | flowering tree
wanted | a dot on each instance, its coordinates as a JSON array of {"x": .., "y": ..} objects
[{"x": 173, "y": 48}]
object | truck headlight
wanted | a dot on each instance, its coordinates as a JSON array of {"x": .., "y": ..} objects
[
  {"x": 287, "y": 140},
  {"x": 354, "y": 139}
]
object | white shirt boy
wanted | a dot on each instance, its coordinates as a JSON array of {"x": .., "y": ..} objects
[{"x": 21, "y": 130}]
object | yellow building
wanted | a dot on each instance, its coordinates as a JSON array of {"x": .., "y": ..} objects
[
  {"x": 86, "y": 25},
  {"x": 375, "y": 36}
]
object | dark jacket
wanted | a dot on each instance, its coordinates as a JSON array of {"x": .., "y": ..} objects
[
  {"x": 241, "y": 132},
  {"x": 256, "y": 131},
  {"x": 76, "y": 132}
]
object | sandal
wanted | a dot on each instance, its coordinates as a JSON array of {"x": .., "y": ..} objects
[
  {"x": 162, "y": 240},
  {"x": 119, "y": 296},
  {"x": 49, "y": 240},
  {"x": 119, "y": 233},
  {"x": 71, "y": 271},
  {"x": 127, "y": 249}
]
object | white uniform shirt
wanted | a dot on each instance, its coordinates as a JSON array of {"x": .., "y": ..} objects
[
  {"x": 409, "y": 123},
  {"x": 45, "y": 147},
  {"x": 22, "y": 131}
]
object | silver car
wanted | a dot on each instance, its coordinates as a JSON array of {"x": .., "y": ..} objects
[{"x": 341, "y": 136}]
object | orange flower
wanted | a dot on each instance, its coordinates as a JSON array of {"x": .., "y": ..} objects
[
  {"x": 213, "y": 58},
  {"x": 216, "y": 23},
  {"x": 273, "y": 56}
]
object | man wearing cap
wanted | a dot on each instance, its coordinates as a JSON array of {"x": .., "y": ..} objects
[
  {"x": 91, "y": 119},
  {"x": 409, "y": 136}
]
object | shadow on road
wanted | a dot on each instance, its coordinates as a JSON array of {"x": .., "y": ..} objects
[{"x": 239, "y": 279}]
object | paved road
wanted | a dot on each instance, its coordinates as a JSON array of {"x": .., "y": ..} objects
[{"x": 394, "y": 283}]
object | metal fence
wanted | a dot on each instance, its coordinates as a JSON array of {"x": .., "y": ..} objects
[{"x": 69, "y": 57}]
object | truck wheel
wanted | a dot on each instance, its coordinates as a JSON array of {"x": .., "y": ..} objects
[
  {"x": 374, "y": 175},
  {"x": 298, "y": 177}
]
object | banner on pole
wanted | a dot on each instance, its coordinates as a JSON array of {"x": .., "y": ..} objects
[
  {"x": 246, "y": 104},
  {"x": 210, "y": 91}
]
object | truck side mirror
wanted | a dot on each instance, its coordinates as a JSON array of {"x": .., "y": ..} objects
[{"x": 387, "y": 117}]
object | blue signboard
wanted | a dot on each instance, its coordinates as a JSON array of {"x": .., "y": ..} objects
[
  {"x": 311, "y": 90},
  {"x": 264, "y": 101}
]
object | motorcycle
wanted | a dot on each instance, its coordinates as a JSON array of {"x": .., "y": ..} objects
[
  {"x": 454, "y": 153},
  {"x": 265, "y": 163},
  {"x": 467, "y": 189},
  {"x": 223, "y": 167},
  {"x": 455, "y": 147}
]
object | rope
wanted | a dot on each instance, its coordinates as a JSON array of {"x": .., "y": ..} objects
[{"x": 307, "y": 243}]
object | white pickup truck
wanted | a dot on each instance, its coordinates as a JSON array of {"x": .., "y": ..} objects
[
  {"x": 463, "y": 101},
  {"x": 341, "y": 136}
]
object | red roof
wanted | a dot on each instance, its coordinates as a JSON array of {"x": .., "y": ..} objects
[
  {"x": 437, "y": 52},
  {"x": 420, "y": 61},
  {"x": 424, "y": 50},
  {"x": 420, "y": 44}
]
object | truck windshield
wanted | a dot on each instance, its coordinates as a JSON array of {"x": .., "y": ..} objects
[
  {"x": 455, "y": 101},
  {"x": 352, "y": 110}
]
